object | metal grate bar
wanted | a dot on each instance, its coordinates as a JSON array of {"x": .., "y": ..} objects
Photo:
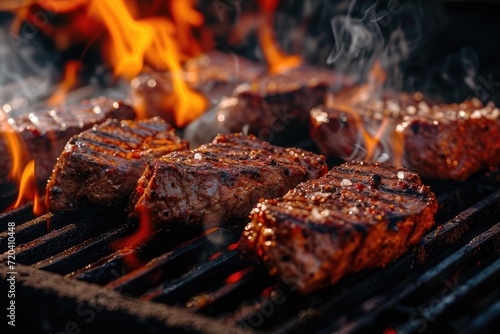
[
  {"x": 82, "y": 254},
  {"x": 484, "y": 282},
  {"x": 486, "y": 322},
  {"x": 64, "y": 238},
  {"x": 348, "y": 294},
  {"x": 207, "y": 273},
  {"x": 419, "y": 286},
  {"x": 103, "y": 271},
  {"x": 21, "y": 214},
  {"x": 174, "y": 263},
  {"x": 228, "y": 296}
]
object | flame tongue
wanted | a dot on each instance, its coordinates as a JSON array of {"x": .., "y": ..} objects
[
  {"x": 70, "y": 80},
  {"x": 154, "y": 40},
  {"x": 28, "y": 190},
  {"x": 277, "y": 60},
  {"x": 15, "y": 147},
  {"x": 134, "y": 43},
  {"x": 349, "y": 99},
  {"x": 130, "y": 37}
]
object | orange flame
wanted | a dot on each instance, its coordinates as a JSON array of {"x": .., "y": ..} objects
[
  {"x": 159, "y": 42},
  {"x": 15, "y": 148},
  {"x": 70, "y": 80},
  {"x": 185, "y": 16},
  {"x": 277, "y": 60},
  {"x": 153, "y": 40},
  {"x": 346, "y": 101},
  {"x": 131, "y": 242},
  {"x": 28, "y": 190}
]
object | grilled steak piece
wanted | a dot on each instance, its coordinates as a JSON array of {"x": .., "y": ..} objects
[
  {"x": 101, "y": 165},
  {"x": 221, "y": 180},
  {"x": 276, "y": 107},
  {"x": 360, "y": 215},
  {"x": 214, "y": 74},
  {"x": 438, "y": 141},
  {"x": 42, "y": 135}
]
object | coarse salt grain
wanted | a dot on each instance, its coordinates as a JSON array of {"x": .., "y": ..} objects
[
  {"x": 401, "y": 175},
  {"x": 346, "y": 183},
  {"x": 197, "y": 156},
  {"x": 316, "y": 214},
  {"x": 354, "y": 210}
]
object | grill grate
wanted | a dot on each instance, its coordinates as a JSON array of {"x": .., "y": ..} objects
[{"x": 194, "y": 281}]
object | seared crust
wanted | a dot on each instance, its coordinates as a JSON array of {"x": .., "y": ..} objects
[
  {"x": 446, "y": 141},
  {"x": 360, "y": 215},
  {"x": 101, "y": 165},
  {"x": 276, "y": 106},
  {"x": 221, "y": 180},
  {"x": 43, "y": 134}
]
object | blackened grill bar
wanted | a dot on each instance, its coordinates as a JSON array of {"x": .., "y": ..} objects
[{"x": 75, "y": 267}]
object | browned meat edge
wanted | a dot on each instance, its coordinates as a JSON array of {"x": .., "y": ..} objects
[
  {"x": 43, "y": 134},
  {"x": 360, "y": 215},
  {"x": 275, "y": 107},
  {"x": 102, "y": 165},
  {"x": 220, "y": 181},
  {"x": 438, "y": 141}
]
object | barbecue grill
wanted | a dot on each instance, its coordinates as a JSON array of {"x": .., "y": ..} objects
[
  {"x": 70, "y": 277},
  {"x": 73, "y": 275}
]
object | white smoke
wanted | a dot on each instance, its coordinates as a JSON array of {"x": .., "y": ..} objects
[{"x": 387, "y": 31}]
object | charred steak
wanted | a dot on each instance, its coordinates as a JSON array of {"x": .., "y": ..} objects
[
  {"x": 360, "y": 215},
  {"x": 101, "y": 166},
  {"x": 438, "y": 141},
  {"x": 43, "y": 134},
  {"x": 221, "y": 180}
]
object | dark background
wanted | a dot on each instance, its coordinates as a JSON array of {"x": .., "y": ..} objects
[{"x": 454, "y": 49}]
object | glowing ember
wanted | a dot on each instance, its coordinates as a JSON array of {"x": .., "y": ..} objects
[{"x": 234, "y": 278}]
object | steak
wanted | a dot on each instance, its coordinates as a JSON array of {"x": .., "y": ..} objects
[
  {"x": 275, "y": 107},
  {"x": 220, "y": 181},
  {"x": 360, "y": 215},
  {"x": 214, "y": 74},
  {"x": 42, "y": 135},
  {"x": 438, "y": 141},
  {"x": 100, "y": 166}
]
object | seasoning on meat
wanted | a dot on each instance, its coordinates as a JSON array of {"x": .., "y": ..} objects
[
  {"x": 438, "y": 141},
  {"x": 220, "y": 181},
  {"x": 44, "y": 133},
  {"x": 360, "y": 215},
  {"x": 101, "y": 166}
]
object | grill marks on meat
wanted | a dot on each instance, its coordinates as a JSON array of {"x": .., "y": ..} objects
[
  {"x": 447, "y": 141},
  {"x": 44, "y": 134},
  {"x": 102, "y": 165},
  {"x": 221, "y": 180},
  {"x": 360, "y": 215}
]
